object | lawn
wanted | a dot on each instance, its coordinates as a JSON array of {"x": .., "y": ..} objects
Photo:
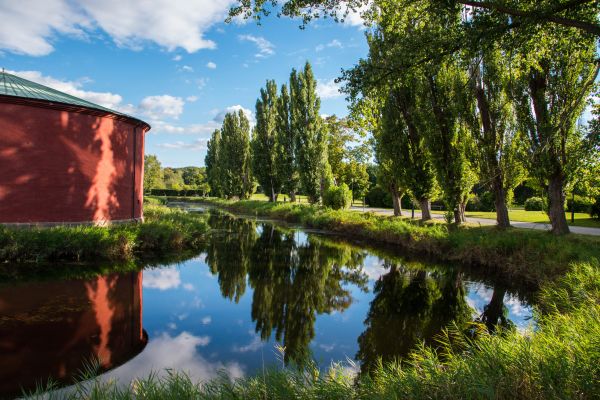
[{"x": 581, "y": 219}]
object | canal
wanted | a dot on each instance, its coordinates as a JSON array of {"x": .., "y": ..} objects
[{"x": 259, "y": 295}]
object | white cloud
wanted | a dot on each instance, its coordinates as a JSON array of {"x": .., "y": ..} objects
[
  {"x": 265, "y": 48},
  {"x": 191, "y": 99},
  {"x": 196, "y": 145},
  {"x": 255, "y": 344},
  {"x": 106, "y": 99},
  {"x": 163, "y": 106},
  {"x": 30, "y": 28},
  {"x": 220, "y": 115},
  {"x": 355, "y": 18},
  {"x": 206, "y": 320},
  {"x": 333, "y": 43},
  {"x": 179, "y": 353},
  {"x": 187, "y": 68},
  {"x": 177, "y": 57},
  {"x": 189, "y": 287},
  {"x": 211, "y": 65},
  {"x": 328, "y": 89},
  {"x": 161, "y": 279}
]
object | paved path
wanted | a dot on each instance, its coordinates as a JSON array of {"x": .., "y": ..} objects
[{"x": 484, "y": 221}]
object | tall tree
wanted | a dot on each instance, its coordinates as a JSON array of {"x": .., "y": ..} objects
[
  {"x": 234, "y": 156},
  {"x": 497, "y": 143},
  {"x": 286, "y": 140},
  {"x": 153, "y": 175},
  {"x": 449, "y": 136},
  {"x": 555, "y": 73},
  {"x": 265, "y": 160},
  {"x": 212, "y": 163},
  {"x": 311, "y": 150}
]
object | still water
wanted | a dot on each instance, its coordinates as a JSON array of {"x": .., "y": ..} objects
[{"x": 259, "y": 295}]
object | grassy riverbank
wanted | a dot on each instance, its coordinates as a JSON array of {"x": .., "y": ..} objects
[
  {"x": 528, "y": 255},
  {"x": 164, "y": 231},
  {"x": 559, "y": 360}
]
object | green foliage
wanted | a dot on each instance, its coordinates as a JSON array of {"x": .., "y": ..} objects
[
  {"x": 164, "y": 231},
  {"x": 580, "y": 204},
  {"x": 153, "y": 175},
  {"x": 338, "y": 197},
  {"x": 535, "y": 204},
  {"x": 234, "y": 156},
  {"x": 595, "y": 210},
  {"x": 265, "y": 147},
  {"x": 286, "y": 139},
  {"x": 311, "y": 139},
  {"x": 213, "y": 164},
  {"x": 482, "y": 202}
]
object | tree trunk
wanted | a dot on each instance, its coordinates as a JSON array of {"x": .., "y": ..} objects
[
  {"x": 293, "y": 196},
  {"x": 396, "y": 200},
  {"x": 500, "y": 201},
  {"x": 425, "y": 209},
  {"x": 459, "y": 213},
  {"x": 556, "y": 211},
  {"x": 493, "y": 313}
]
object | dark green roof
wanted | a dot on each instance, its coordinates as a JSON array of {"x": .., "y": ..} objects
[{"x": 12, "y": 85}]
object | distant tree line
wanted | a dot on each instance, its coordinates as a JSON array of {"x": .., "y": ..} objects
[
  {"x": 291, "y": 150},
  {"x": 174, "y": 179}
]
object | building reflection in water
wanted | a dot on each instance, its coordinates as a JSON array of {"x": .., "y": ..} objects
[{"x": 48, "y": 330}]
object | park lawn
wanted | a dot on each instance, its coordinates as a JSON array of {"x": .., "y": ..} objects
[{"x": 581, "y": 219}]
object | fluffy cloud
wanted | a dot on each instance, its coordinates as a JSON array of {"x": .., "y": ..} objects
[
  {"x": 30, "y": 28},
  {"x": 211, "y": 65},
  {"x": 220, "y": 115},
  {"x": 161, "y": 279},
  {"x": 196, "y": 145},
  {"x": 163, "y": 106},
  {"x": 328, "y": 89},
  {"x": 333, "y": 43},
  {"x": 106, "y": 99},
  {"x": 180, "y": 353},
  {"x": 265, "y": 48}
]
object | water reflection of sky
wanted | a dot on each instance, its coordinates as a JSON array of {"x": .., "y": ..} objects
[{"x": 193, "y": 328}]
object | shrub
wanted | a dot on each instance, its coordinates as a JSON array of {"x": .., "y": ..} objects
[
  {"x": 379, "y": 197},
  {"x": 580, "y": 204},
  {"x": 595, "y": 209},
  {"x": 483, "y": 202},
  {"x": 338, "y": 197},
  {"x": 535, "y": 204}
]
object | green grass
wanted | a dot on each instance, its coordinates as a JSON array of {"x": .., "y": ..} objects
[
  {"x": 581, "y": 219},
  {"x": 164, "y": 231},
  {"x": 558, "y": 360},
  {"x": 528, "y": 255}
]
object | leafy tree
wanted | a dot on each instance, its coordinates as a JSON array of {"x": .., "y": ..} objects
[
  {"x": 504, "y": 16},
  {"x": 311, "y": 139},
  {"x": 497, "y": 140},
  {"x": 286, "y": 151},
  {"x": 234, "y": 156},
  {"x": 173, "y": 179},
  {"x": 153, "y": 175},
  {"x": 213, "y": 164},
  {"x": 265, "y": 160},
  {"x": 555, "y": 72}
]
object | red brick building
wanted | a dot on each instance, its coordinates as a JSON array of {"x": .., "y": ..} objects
[{"x": 66, "y": 160}]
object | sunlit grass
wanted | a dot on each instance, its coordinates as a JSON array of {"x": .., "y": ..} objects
[{"x": 164, "y": 230}]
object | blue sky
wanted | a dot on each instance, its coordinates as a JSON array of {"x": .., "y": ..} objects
[{"x": 175, "y": 64}]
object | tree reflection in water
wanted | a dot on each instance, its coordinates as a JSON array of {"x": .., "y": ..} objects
[
  {"x": 411, "y": 306},
  {"x": 292, "y": 282}
]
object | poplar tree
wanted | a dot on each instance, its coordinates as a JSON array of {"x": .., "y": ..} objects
[
  {"x": 306, "y": 124},
  {"x": 555, "y": 73},
  {"x": 212, "y": 163},
  {"x": 234, "y": 156},
  {"x": 286, "y": 149},
  {"x": 265, "y": 160}
]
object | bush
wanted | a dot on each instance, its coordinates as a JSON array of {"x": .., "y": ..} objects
[
  {"x": 338, "y": 197},
  {"x": 483, "y": 202},
  {"x": 378, "y": 197},
  {"x": 176, "y": 193},
  {"x": 535, "y": 204},
  {"x": 580, "y": 205},
  {"x": 595, "y": 209}
]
